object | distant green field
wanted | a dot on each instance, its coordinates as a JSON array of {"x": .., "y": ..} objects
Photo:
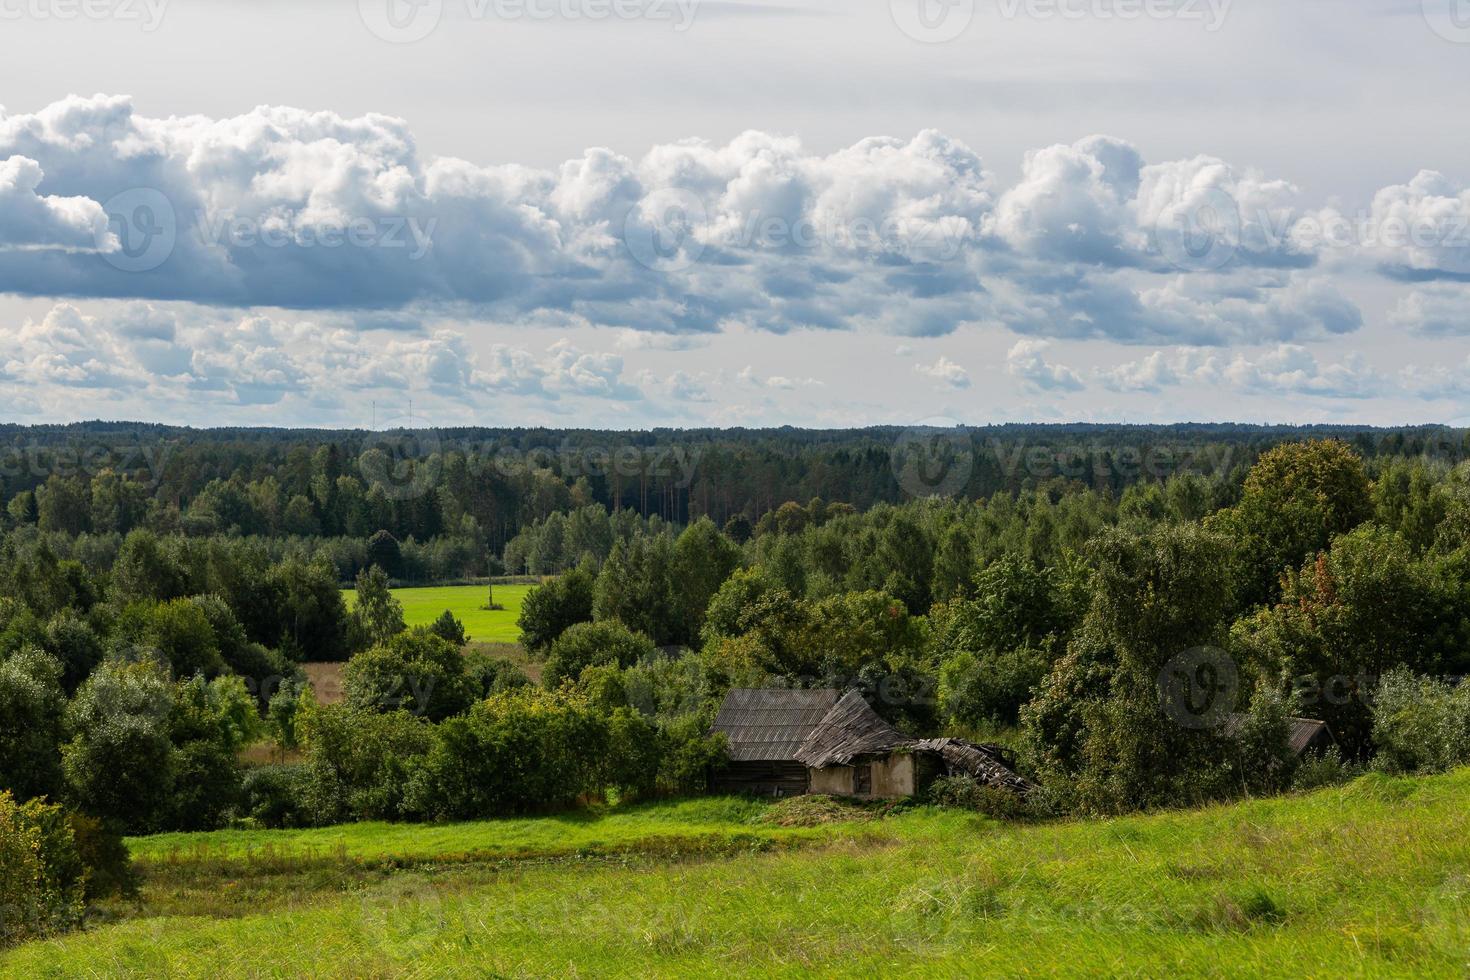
[
  {"x": 422, "y": 606},
  {"x": 1366, "y": 880}
]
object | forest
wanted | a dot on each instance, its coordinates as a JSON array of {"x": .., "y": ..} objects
[{"x": 1045, "y": 588}]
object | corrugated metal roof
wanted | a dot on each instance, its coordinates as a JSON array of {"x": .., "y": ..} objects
[{"x": 770, "y": 725}]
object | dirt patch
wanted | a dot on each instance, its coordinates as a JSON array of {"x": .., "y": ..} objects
[
  {"x": 326, "y": 682},
  {"x": 813, "y": 811}
]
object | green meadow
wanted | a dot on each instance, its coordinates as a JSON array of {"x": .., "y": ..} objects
[
  {"x": 1370, "y": 879},
  {"x": 421, "y": 606}
]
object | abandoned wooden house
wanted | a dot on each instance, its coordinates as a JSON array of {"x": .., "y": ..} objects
[{"x": 786, "y": 742}]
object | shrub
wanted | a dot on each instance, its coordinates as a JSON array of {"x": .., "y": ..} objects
[
  {"x": 109, "y": 866},
  {"x": 1324, "y": 769},
  {"x": 274, "y": 796},
  {"x": 1420, "y": 724},
  {"x": 42, "y": 877},
  {"x": 359, "y": 762},
  {"x": 586, "y": 644},
  {"x": 517, "y": 752},
  {"x": 490, "y": 674},
  {"x": 966, "y": 793},
  {"x": 417, "y": 672}
]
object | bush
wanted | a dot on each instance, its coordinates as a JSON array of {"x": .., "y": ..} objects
[
  {"x": 966, "y": 793},
  {"x": 42, "y": 877},
  {"x": 109, "y": 866},
  {"x": 274, "y": 796},
  {"x": 518, "y": 752},
  {"x": 359, "y": 762},
  {"x": 417, "y": 672},
  {"x": 490, "y": 674},
  {"x": 1324, "y": 769},
  {"x": 1420, "y": 724},
  {"x": 587, "y": 644}
]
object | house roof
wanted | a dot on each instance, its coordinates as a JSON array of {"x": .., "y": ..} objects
[
  {"x": 771, "y": 725},
  {"x": 1302, "y": 733},
  {"x": 850, "y": 730}
]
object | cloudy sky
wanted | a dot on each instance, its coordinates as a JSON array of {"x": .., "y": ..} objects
[{"x": 629, "y": 213}]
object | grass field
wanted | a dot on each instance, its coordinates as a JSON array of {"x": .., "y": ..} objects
[
  {"x": 424, "y": 605},
  {"x": 1372, "y": 879}
]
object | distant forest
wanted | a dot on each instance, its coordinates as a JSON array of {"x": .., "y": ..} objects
[{"x": 485, "y": 486}]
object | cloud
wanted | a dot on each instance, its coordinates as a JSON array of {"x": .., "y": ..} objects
[
  {"x": 304, "y": 210},
  {"x": 1161, "y": 369},
  {"x": 1435, "y": 311},
  {"x": 1293, "y": 370},
  {"x": 1025, "y": 361},
  {"x": 946, "y": 372},
  {"x": 32, "y": 220}
]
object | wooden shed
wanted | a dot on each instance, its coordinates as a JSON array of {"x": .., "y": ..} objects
[{"x": 786, "y": 742}]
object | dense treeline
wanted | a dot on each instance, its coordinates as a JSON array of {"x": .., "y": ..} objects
[
  {"x": 148, "y": 637},
  {"x": 483, "y": 486}
]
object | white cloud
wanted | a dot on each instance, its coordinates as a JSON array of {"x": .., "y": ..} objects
[
  {"x": 946, "y": 372},
  {"x": 1026, "y": 361},
  {"x": 29, "y": 219}
]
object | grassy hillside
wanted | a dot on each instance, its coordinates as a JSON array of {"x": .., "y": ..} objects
[
  {"x": 1371, "y": 879},
  {"x": 422, "y": 606}
]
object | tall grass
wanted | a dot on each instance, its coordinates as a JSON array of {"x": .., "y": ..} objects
[{"x": 1371, "y": 879}]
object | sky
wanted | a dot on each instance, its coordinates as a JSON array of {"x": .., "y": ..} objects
[{"x": 637, "y": 213}]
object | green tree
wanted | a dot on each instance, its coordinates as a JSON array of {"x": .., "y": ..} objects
[
  {"x": 587, "y": 644},
  {"x": 703, "y": 559},
  {"x": 377, "y": 616},
  {"x": 415, "y": 671},
  {"x": 119, "y": 761},
  {"x": 549, "y": 609},
  {"x": 31, "y": 708},
  {"x": 1296, "y": 498}
]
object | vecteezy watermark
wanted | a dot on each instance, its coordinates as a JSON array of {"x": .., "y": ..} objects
[
  {"x": 1211, "y": 232},
  {"x": 674, "y": 463},
  {"x": 1450, "y": 19},
  {"x": 933, "y": 458},
  {"x": 672, "y": 228},
  {"x": 407, "y": 232},
  {"x": 1209, "y": 13},
  {"x": 37, "y": 462},
  {"x": 937, "y": 21},
  {"x": 402, "y": 461},
  {"x": 1198, "y": 688},
  {"x": 932, "y": 21},
  {"x": 661, "y": 231},
  {"x": 148, "y": 14},
  {"x": 141, "y": 230},
  {"x": 1203, "y": 237},
  {"x": 407, "y": 21}
]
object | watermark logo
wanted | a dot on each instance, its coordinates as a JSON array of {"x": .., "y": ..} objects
[
  {"x": 1201, "y": 236},
  {"x": 400, "y": 461},
  {"x": 148, "y": 14},
  {"x": 145, "y": 226},
  {"x": 932, "y": 21},
  {"x": 660, "y": 231},
  {"x": 1450, "y": 19},
  {"x": 933, "y": 458},
  {"x": 401, "y": 21},
  {"x": 1198, "y": 688}
]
